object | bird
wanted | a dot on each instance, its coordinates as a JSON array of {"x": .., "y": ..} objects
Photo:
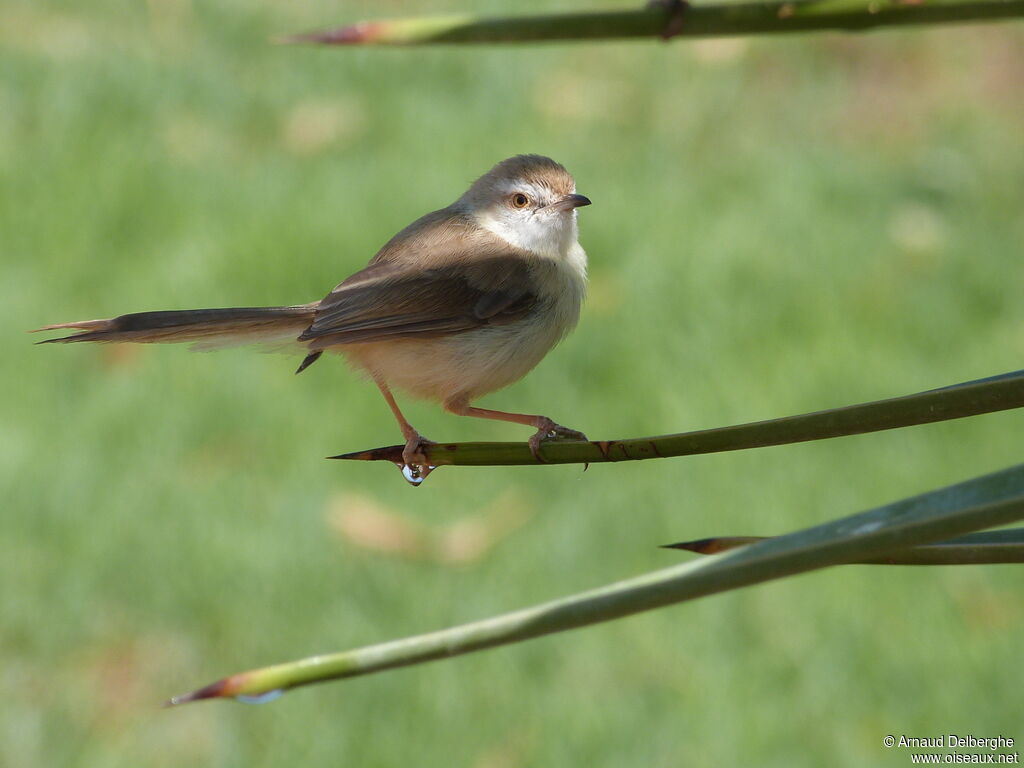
[{"x": 459, "y": 304}]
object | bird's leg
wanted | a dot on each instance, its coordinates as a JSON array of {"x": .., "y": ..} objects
[
  {"x": 546, "y": 428},
  {"x": 412, "y": 454}
]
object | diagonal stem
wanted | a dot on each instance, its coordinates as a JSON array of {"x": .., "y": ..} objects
[
  {"x": 972, "y": 398},
  {"x": 982, "y": 502}
]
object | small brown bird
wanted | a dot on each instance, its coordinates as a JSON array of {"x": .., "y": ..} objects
[{"x": 460, "y": 303}]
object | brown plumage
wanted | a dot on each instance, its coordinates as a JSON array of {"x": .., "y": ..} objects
[
  {"x": 238, "y": 324},
  {"x": 462, "y": 302}
]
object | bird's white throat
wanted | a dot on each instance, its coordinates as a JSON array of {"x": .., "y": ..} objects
[{"x": 544, "y": 233}]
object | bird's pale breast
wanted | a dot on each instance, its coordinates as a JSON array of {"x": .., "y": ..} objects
[{"x": 473, "y": 363}]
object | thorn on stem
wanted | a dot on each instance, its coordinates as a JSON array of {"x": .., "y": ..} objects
[
  {"x": 355, "y": 34},
  {"x": 715, "y": 545},
  {"x": 216, "y": 690},
  {"x": 677, "y": 11}
]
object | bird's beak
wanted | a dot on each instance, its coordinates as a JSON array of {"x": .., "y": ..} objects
[{"x": 569, "y": 202}]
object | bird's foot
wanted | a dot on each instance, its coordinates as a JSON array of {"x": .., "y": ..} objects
[
  {"x": 415, "y": 466},
  {"x": 549, "y": 430}
]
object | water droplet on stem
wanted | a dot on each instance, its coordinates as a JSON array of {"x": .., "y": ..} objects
[
  {"x": 415, "y": 474},
  {"x": 260, "y": 698}
]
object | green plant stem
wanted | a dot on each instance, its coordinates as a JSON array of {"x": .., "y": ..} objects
[
  {"x": 983, "y": 548},
  {"x": 958, "y": 401},
  {"x": 697, "y": 21},
  {"x": 991, "y": 500}
]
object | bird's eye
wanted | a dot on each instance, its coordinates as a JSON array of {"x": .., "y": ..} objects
[{"x": 519, "y": 200}]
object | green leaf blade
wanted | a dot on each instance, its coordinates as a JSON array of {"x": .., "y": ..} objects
[
  {"x": 984, "y": 502},
  {"x": 972, "y": 398}
]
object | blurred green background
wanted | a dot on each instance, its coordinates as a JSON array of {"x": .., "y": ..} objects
[{"x": 779, "y": 226}]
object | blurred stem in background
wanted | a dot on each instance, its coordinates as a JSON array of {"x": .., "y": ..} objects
[{"x": 668, "y": 20}]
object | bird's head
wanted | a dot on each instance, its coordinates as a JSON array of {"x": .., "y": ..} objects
[{"x": 529, "y": 201}]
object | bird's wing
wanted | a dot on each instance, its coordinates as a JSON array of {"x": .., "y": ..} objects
[{"x": 389, "y": 300}]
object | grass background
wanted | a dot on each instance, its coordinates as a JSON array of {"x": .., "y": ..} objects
[{"x": 778, "y": 226}]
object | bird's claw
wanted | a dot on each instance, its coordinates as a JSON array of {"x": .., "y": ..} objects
[
  {"x": 415, "y": 466},
  {"x": 549, "y": 430}
]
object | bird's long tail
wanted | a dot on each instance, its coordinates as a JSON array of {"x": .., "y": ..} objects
[{"x": 205, "y": 327}]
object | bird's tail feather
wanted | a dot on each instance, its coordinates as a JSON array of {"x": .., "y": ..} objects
[{"x": 206, "y": 327}]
